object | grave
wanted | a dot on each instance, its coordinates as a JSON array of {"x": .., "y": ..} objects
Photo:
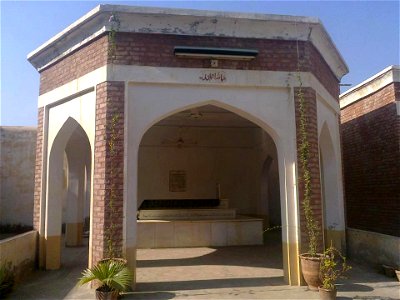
[{"x": 194, "y": 223}]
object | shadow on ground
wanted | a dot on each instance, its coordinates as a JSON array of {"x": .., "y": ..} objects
[
  {"x": 228, "y": 256},
  {"x": 211, "y": 284}
]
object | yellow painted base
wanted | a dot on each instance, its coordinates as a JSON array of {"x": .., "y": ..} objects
[
  {"x": 73, "y": 234},
  {"x": 42, "y": 252},
  {"x": 338, "y": 238},
  {"x": 53, "y": 252},
  {"x": 130, "y": 255},
  {"x": 291, "y": 264}
]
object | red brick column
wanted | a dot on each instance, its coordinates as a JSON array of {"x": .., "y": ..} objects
[
  {"x": 312, "y": 132},
  {"x": 108, "y": 170},
  {"x": 38, "y": 170}
]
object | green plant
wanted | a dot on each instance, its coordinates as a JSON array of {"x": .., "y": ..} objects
[
  {"x": 110, "y": 232},
  {"x": 333, "y": 266},
  {"x": 6, "y": 279},
  {"x": 115, "y": 25},
  {"x": 112, "y": 275},
  {"x": 304, "y": 151}
]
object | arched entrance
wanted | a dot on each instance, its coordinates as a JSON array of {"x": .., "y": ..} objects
[
  {"x": 215, "y": 153},
  {"x": 208, "y": 152},
  {"x": 68, "y": 191},
  {"x": 148, "y": 104}
]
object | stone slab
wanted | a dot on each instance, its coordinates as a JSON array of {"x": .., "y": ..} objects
[
  {"x": 199, "y": 233},
  {"x": 187, "y": 214}
]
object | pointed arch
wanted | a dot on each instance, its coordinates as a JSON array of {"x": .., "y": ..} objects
[
  {"x": 72, "y": 141},
  {"x": 148, "y": 104},
  {"x": 218, "y": 103},
  {"x": 330, "y": 187}
]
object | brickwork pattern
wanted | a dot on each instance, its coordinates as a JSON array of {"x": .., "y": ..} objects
[
  {"x": 157, "y": 50},
  {"x": 371, "y": 158},
  {"x": 108, "y": 169},
  {"x": 38, "y": 170},
  {"x": 80, "y": 62},
  {"x": 312, "y": 134},
  {"x": 274, "y": 55}
]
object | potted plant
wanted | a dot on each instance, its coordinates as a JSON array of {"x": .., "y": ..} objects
[
  {"x": 111, "y": 275},
  {"x": 333, "y": 267},
  {"x": 310, "y": 261}
]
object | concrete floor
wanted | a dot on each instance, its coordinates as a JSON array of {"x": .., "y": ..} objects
[{"x": 245, "y": 272}]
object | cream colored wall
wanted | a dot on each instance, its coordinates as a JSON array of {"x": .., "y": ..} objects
[
  {"x": 331, "y": 175},
  {"x": 82, "y": 110},
  {"x": 270, "y": 108},
  {"x": 225, "y": 156},
  {"x": 17, "y": 172},
  {"x": 373, "y": 248},
  {"x": 20, "y": 251},
  {"x": 271, "y": 207},
  {"x": 329, "y": 140}
]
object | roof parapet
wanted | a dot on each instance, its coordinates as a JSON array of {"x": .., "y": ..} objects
[
  {"x": 371, "y": 85},
  {"x": 188, "y": 22}
]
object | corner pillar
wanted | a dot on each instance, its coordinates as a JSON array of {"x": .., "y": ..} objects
[
  {"x": 38, "y": 190},
  {"x": 108, "y": 179},
  {"x": 310, "y": 102}
]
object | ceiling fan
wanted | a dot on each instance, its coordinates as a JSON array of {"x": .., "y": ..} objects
[{"x": 179, "y": 142}]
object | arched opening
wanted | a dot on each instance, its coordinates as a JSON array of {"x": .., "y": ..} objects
[
  {"x": 330, "y": 190},
  {"x": 208, "y": 177},
  {"x": 68, "y": 193}
]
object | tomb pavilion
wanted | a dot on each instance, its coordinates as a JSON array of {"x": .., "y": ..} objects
[{"x": 180, "y": 128}]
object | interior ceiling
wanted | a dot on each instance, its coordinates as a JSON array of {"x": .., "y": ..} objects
[{"x": 206, "y": 116}]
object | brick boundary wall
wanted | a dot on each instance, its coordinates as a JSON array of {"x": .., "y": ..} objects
[
  {"x": 371, "y": 157},
  {"x": 38, "y": 170},
  {"x": 397, "y": 98},
  {"x": 108, "y": 173},
  {"x": 157, "y": 50},
  {"x": 312, "y": 131}
]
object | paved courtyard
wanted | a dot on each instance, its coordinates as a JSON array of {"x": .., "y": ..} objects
[{"x": 246, "y": 272}]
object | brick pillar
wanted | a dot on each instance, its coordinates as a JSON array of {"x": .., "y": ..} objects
[
  {"x": 312, "y": 132},
  {"x": 37, "y": 192},
  {"x": 38, "y": 170},
  {"x": 108, "y": 170}
]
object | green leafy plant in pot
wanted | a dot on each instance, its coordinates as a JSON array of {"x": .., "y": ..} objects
[
  {"x": 333, "y": 266},
  {"x": 112, "y": 276}
]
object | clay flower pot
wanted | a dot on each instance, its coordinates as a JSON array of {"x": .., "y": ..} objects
[
  {"x": 327, "y": 294},
  {"x": 310, "y": 267},
  {"x": 101, "y": 295}
]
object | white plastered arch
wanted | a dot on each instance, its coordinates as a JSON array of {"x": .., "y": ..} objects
[
  {"x": 79, "y": 156},
  {"x": 79, "y": 110},
  {"x": 270, "y": 109}
]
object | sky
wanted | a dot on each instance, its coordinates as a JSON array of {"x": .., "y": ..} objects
[{"x": 365, "y": 32}]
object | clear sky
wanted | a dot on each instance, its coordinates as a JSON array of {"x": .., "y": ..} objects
[{"x": 365, "y": 32}]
